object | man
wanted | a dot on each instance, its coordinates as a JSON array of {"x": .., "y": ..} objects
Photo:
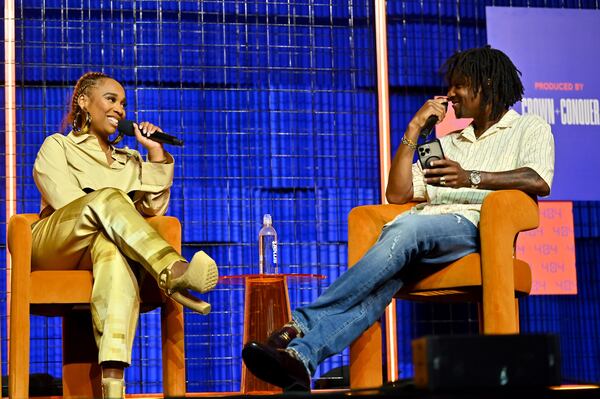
[{"x": 499, "y": 150}]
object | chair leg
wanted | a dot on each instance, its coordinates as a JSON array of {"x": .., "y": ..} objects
[
  {"x": 508, "y": 328},
  {"x": 81, "y": 372},
  {"x": 366, "y": 359},
  {"x": 18, "y": 368},
  {"x": 173, "y": 349}
]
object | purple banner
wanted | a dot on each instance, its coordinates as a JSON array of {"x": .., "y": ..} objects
[{"x": 558, "y": 52}]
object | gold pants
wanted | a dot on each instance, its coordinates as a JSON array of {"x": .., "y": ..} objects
[{"x": 103, "y": 230}]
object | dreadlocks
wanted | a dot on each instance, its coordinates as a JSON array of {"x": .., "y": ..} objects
[{"x": 489, "y": 72}]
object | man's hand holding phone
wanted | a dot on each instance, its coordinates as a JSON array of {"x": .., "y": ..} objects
[{"x": 447, "y": 173}]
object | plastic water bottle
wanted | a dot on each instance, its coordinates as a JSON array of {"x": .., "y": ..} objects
[{"x": 267, "y": 247}]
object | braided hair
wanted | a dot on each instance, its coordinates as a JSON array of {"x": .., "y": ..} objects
[
  {"x": 85, "y": 82},
  {"x": 489, "y": 72}
]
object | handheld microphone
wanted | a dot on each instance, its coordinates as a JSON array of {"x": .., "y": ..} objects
[
  {"x": 126, "y": 127},
  {"x": 430, "y": 123}
]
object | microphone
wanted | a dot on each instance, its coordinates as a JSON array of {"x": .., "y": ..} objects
[
  {"x": 430, "y": 123},
  {"x": 126, "y": 127}
]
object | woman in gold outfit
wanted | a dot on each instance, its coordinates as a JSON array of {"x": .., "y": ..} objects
[{"x": 94, "y": 199}]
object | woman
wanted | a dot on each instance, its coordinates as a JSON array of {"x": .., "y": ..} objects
[{"x": 94, "y": 197}]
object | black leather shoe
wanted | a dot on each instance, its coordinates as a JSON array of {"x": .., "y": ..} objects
[
  {"x": 276, "y": 366},
  {"x": 281, "y": 338}
]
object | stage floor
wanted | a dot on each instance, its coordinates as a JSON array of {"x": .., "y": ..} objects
[
  {"x": 404, "y": 389},
  {"x": 406, "y": 392}
]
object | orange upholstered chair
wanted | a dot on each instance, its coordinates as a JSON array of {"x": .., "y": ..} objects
[
  {"x": 492, "y": 278},
  {"x": 67, "y": 293}
]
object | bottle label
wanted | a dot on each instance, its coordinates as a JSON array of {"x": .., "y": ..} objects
[{"x": 267, "y": 255}]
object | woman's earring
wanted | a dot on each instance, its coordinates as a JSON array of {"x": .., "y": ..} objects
[
  {"x": 76, "y": 128},
  {"x": 88, "y": 122}
]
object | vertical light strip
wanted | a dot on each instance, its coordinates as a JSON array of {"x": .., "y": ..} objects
[
  {"x": 382, "y": 95},
  {"x": 10, "y": 107},
  {"x": 10, "y": 132},
  {"x": 384, "y": 165}
]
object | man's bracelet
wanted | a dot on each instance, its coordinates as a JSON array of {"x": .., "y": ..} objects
[{"x": 408, "y": 142}]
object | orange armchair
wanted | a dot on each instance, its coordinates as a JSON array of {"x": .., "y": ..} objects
[
  {"x": 492, "y": 278},
  {"x": 64, "y": 293}
]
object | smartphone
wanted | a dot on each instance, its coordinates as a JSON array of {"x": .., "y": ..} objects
[{"x": 430, "y": 151}]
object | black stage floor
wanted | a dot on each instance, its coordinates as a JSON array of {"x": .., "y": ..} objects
[
  {"x": 407, "y": 390},
  {"x": 529, "y": 393},
  {"x": 403, "y": 389}
]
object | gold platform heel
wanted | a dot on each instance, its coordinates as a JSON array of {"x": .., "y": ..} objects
[
  {"x": 113, "y": 388},
  {"x": 201, "y": 275}
]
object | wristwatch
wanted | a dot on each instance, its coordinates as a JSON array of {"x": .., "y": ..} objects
[{"x": 475, "y": 178}]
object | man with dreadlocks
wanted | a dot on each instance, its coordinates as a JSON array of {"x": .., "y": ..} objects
[{"x": 499, "y": 150}]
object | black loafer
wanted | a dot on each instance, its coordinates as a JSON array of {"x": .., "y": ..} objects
[
  {"x": 281, "y": 338},
  {"x": 276, "y": 366}
]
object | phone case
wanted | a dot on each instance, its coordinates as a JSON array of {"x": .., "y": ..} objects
[{"x": 430, "y": 151}]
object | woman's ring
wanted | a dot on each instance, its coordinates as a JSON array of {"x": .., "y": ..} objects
[{"x": 443, "y": 180}]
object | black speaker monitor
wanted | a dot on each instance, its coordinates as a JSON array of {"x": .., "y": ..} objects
[{"x": 459, "y": 362}]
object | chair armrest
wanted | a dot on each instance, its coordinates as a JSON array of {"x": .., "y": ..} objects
[
  {"x": 364, "y": 226},
  {"x": 508, "y": 212},
  {"x": 504, "y": 214},
  {"x": 169, "y": 229},
  {"x": 19, "y": 242}
]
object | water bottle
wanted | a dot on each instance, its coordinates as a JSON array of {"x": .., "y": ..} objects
[{"x": 267, "y": 247}]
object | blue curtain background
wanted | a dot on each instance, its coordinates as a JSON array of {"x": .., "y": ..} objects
[{"x": 277, "y": 105}]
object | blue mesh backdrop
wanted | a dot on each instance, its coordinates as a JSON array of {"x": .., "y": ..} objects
[
  {"x": 276, "y": 103},
  {"x": 277, "y": 106}
]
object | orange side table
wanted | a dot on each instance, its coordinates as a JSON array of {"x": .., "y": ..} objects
[{"x": 266, "y": 308}]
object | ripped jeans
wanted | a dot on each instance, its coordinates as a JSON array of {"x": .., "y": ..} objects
[{"x": 359, "y": 297}]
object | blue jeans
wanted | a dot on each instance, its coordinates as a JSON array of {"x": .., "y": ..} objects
[{"x": 359, "y": 297}]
